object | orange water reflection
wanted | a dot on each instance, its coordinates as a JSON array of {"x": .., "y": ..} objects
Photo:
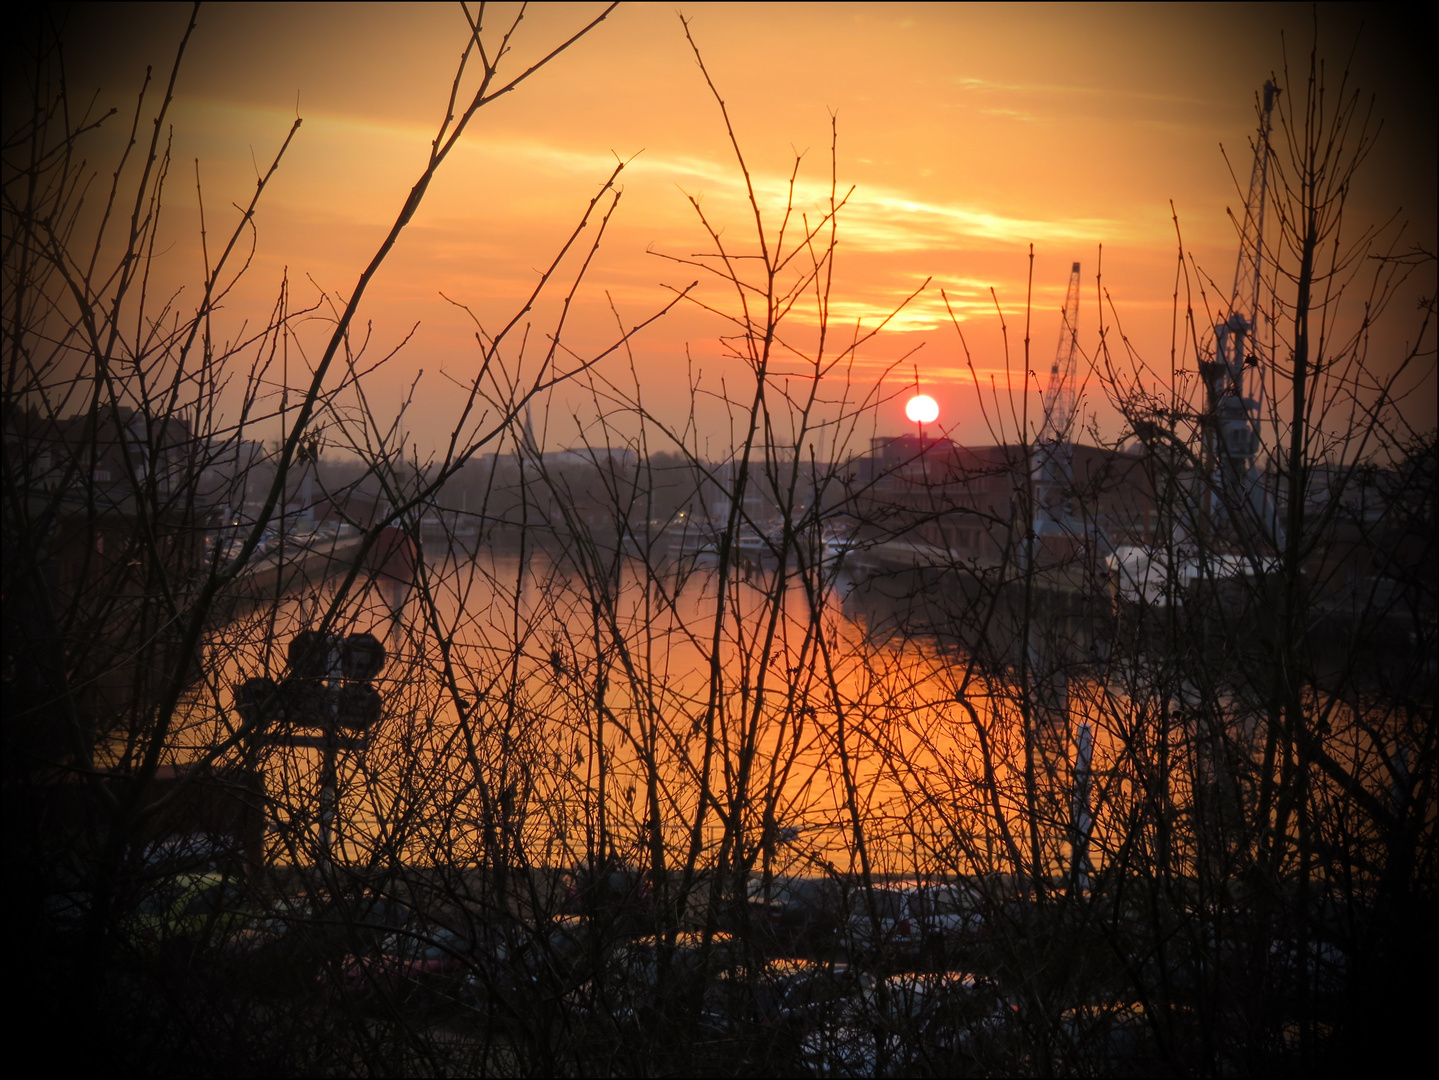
[{"x": 547, "y": 716}]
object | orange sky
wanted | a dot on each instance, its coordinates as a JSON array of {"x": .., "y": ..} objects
[{"x": 968, "y": 131}]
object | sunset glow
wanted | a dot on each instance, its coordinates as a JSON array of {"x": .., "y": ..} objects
[{"x": 963, "y": 134}]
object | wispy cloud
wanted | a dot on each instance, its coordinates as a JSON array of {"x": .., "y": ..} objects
[
  {"x": 1060, "y": 90},
  {"x": 875, "y": 218},
  {"x": 1011, "y": 114}
]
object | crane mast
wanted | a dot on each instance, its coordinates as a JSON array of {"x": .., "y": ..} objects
[
  {"x": 1232, "y": 379},
  {"x": 1055, "y": 460}
]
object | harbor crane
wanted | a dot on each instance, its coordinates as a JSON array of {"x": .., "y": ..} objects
[
  {"x": 1053, "y": 486},
  {"x": 1054, "y": 464},
  {"x": 1233, "y": 378},
  {"x": 1237, "y": 508}
]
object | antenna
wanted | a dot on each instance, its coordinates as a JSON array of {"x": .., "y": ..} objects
[{"x": 1059, "y": 394}]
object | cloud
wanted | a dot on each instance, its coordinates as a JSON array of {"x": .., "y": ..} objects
[
  {"x": 875, "y": 218},
  {"x": 1010, "y": 114},
  {"x": 1055, "y": 89}
]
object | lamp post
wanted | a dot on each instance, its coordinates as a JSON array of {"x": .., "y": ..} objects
[{"x": 330, "y": 687}]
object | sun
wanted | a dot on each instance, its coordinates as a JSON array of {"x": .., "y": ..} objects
[{"x": 922, "y": 409}]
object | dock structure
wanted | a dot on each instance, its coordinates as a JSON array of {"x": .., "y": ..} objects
[{"x": 933, "y": 502}]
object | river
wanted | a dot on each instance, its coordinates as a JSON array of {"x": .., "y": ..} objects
[{"x": 541, "y": 707}]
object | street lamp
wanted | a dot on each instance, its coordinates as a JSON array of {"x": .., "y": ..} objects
[{"x": 330, "y": 687}]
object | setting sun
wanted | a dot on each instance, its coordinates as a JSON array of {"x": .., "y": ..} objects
[{"x": 922, "y": 409}]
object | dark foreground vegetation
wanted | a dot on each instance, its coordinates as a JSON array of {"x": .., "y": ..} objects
[{"x": 811, "y": 756}]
